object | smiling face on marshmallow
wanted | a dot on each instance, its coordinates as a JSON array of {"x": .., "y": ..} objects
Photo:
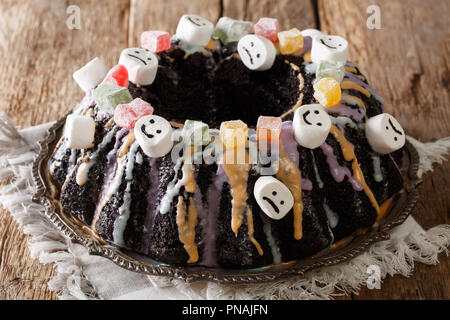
[
  {"x": 329, "y": 48},
  {"x": 194, "y": 30},
  {"x": 273, "y": 197},
  {"x": 385, "y": 134},
  {"x": 141, "y": 64},
  {"x": 311, "y": 125},
  {"x": 154, "y": 135},
  {"x": 256, "y": 52}
]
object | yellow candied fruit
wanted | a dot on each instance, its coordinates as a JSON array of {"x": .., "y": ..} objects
[
  {"x": 328, "y": 92},
  {"x": 233, "y": 134},
  {"x": 290, "y": 41}
]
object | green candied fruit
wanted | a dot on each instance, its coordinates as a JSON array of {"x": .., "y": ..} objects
[
  {"x": 230, "y": 30},
  {"x": 329, "y": 69},
  {"x": 108, "y": 96},
  {"x": 196, "y": 133}
]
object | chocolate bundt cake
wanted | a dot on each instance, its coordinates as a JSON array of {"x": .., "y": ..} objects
[{"x": 131, "y": 163}]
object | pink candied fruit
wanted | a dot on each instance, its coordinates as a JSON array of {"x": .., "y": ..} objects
[
  {"x": 268, "y": 128},
  {"x": 267, "y": 28},
  {"x": 118, "y": 75},
  {"x": 155, "y": 41},
  {"x": 126, "y": 115}
]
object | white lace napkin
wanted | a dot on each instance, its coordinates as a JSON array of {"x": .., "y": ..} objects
[{"x": 81, "y": 276}]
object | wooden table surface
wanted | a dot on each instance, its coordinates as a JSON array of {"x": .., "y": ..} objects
[{"x": 406, "y": 61}]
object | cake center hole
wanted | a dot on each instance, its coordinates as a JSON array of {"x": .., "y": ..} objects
[{"x": 213, "y": 91}]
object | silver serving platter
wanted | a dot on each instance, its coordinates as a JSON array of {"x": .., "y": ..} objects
[{"x": 401, "y": 207}]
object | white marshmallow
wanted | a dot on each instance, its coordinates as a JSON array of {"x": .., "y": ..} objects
[
  {"x": 273, "y": 197},
  {"x": 154, "y": 135},
  {"x": 329, "y": 48},
  {"x": 311, "y": 33},
  {"x": 91, "y": 74},
  {"x": 79, "y": 131},
  {"x": 194, "y": 30},
  {"x": 141, "y": 64},
  {"x": 384, "y": 133},
  {"x": 312, "y": 125},
  {"x": 256, "y": 52}
]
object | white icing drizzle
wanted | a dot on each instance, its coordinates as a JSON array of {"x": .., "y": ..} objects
[
  {"x": 271, "y": 241},
  {"x": 72, "y": 159},
  {"x": 114, "y": 187},
  {"x": 310, "y": 67},
  {"x": 333, "y": 218},
  {"x": 124, "y": 210},
  {"x": 139, "y": 158},
  {"x": 353, "y": 102},
  {"x": 377, "y": 175},
  {"x": 343, "y": 121},
  {"x": 173, "y": 189},
  {"x": 83, "y": 169},
  {"x": 316, "y": 171}
]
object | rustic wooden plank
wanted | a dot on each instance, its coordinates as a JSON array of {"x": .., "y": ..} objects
[
  {"x": 299, "y": 14},
  {"x": 407, "y": 62},
  {"x": 39, "y": 54},
  {"x": 165, "y": 14}
]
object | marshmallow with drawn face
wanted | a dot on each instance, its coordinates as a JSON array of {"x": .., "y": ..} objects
[
  {"x": 273, "y": 197},
  {"x": 311, "y": 33},
  {"x": 256, "y": 52},
  {"x": 154, "y": 135},
  {"x": 141, "y": 64},
  {"x": 194, "y": 30},
  {"x": 329, "y": 48},
  {"x": 384, "y": 133},
  {"x": 312, "y": 125}
]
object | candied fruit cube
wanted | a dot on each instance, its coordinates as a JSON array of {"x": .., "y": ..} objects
[
  {"x": 155, "y": 41},
  {"x": 196, "y": 133},
  {"x": 117, "y": 75},
  {"x": 268, "y": 128},
  {"x": 230, "y": 30},
  {"x": 126, "y": 115},
  {"x": 328, "y": 92},
  {"x": 290, "y": 41},
  {"x": 233, "y": 134},
  {"x": 108, "y": 96},
  {"x": 330, "y": 69},
  {"x": 267, "y": 28}
]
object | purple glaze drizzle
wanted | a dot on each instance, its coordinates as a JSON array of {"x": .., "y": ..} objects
[
  {"x": 152, "y": 196},
  {"x": 289, "y": 143},
  {"x": 306, "y": 184},
  {"x": 337, "y": 171},
  {"x": 346, "y": 111},
  {"x": 307, "y": 45},
  {"x": 110, "y": 166},
  {"x": 214, "y": 194}
]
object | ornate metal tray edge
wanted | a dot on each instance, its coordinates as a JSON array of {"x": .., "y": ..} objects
[{"x": 397, "y": 215}]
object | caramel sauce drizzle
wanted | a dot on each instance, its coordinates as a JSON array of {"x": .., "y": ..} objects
[
  {"x": 355, "y": 72},
  {"x": 290, "y": 175},
  {"x": 186, "y": 227},
  {"x": 238, "y": 175},
  {"x": 348, "y": 151},
  {"x": 346, "y": 85},
  {"x": 251, "y": 230},
  {"x": 300, "y": 88}
]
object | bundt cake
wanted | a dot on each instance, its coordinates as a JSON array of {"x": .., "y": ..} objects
[{"x": 153, "y": 162}]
